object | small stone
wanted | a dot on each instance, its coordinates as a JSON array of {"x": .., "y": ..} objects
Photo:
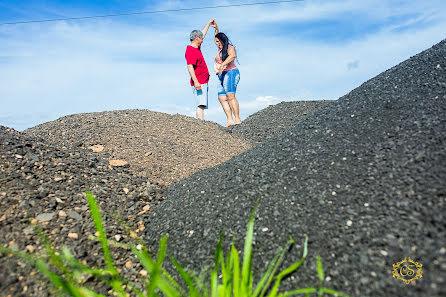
[
  {"x": 384, "y": 253},
  {"x": 73, "y": 235},
  {"x": 143, "y": 272},
  {"x": 62, "y": 213},
  {"x": 146, "y": 208},
  {"x": 118, "y": 237},
  {"x": 349, "y": 223},
  {"x": 97, "y": 148},
  {"x": 19, "y": 156},
  {"x": 74, "y": 215},
  {"x": 96, "y": 234},
  {"x": 139, "y": 247},
  {"x": 3, "y": 194},
  {"x": 125, "y": 190},
  {"x": 28, "y": 230},
  {"x": 148, "y": 154},
  {"x": 118, "y": 163},
  {"x": 265, "y": 229},
  {"x": 30, "y": 248},
  {"x": 129, "y": 265},
  {"x": 45, "y": 217},
  {"x": 58, "y": 200},
  {"x": 333, "y": 193},
  {"x": 366, "y": 204},
  {"x": 56, "y": 179},
  {"x": 443, "y": 250}
]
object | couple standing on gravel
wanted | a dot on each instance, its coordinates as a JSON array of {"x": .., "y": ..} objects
[{"x": 224, "y": 67}]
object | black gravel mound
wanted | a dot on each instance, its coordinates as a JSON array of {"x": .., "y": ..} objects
[
  {"x": 363, "y": 177},
  {"x": 47, "y": 185},
  {"x": 275, "y": 119}
]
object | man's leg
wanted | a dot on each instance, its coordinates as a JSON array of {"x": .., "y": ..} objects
[
  {"x": 200, "y": 112},
  {"x": 233, "y": 103},
  {"x": 227, "y": 109}
]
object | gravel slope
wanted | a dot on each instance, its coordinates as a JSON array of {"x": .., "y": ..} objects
[
  {"x": 44, "y": 184},
  {"x": 275, "y": 119},
  {"x": 364, "y": 177},
  {"x": 166, "y": 148}
]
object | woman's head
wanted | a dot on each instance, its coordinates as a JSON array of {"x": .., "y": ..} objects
[{"x": 222, "y": 42}]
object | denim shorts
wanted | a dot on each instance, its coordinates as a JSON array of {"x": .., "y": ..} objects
[
  {"x": 228, "y": 82},
  {"x": 201, "y": 96}
]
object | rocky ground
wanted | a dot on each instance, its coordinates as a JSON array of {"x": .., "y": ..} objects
[
  {"x": 166, "y": 148},
  {"x": 45, "y": 185},
  {"x": 363, "y": 177},
  {"x": 275, "y": 119}
]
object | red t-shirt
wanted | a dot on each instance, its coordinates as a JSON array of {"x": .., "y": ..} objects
[{"x": 195, "y": 57}]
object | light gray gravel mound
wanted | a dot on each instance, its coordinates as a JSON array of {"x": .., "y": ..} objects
[
  {"x": 363, "y": 177},
  {"x": 165, "y": 148}
]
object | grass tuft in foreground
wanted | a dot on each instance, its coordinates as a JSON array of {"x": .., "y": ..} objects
[{"x": 229, "y": 277}]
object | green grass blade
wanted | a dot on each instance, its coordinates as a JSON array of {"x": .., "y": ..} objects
[
  {"x": 278, "y": 263},
  {"x": 289, "y": 270},
  {"x": 155, "y": 273},
  {"x": 320, "y": 269},
  {"x": 296, "y": 265},
  {"x": 302, "y": 291},
  {"x": 96, "y": 215},
  {"x": 246, "y": 288},
  {"x": 227, "y": 280},
  {"x": 186, "y": 276},
  {"x": 236, "y": 271},
  {"x": 58, "y": 282},
  {"x": 320, "y": 273},
  {"x": 263, "y": 284},
  {"x": 164, "y": 284},
  {"x": 88, "y": 293},
  {"x": 214, "y": 284}
]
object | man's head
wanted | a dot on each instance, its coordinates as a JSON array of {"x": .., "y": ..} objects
[{"x": 196, "y": 36}]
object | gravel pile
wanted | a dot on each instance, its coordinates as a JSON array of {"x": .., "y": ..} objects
[
  {"x": 166, "y": 148},
  {"x": 363, "y": 177},
  {"x": 275, "y": 119},
  {"x": 46, "y": 185}
]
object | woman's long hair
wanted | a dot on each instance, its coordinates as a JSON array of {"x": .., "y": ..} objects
[{"x": 225, "y": 42}]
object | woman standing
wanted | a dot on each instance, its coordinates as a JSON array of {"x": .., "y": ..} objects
[{"x": 228, "y": 75}]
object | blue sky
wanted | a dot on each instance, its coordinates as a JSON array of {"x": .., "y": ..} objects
[{"x": 308, "y": 50}]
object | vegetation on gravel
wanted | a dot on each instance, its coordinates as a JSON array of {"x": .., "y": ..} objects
[{"x": 231, "y": 275}]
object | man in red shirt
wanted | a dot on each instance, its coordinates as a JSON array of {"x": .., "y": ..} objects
[{"x": 198, "y": 70}]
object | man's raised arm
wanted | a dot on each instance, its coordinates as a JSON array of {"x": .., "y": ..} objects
[{"x": 205, "y": 29}]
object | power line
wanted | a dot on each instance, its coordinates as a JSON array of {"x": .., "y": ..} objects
[{"x": 148, "y": 12}]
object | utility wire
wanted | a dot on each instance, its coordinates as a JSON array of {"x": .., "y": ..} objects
[{"x": 149, "y": 12}]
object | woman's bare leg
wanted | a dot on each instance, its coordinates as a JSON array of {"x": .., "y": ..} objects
[
  {"x": 233, "y": 103},
  {"x": 227, "y": 109}
]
